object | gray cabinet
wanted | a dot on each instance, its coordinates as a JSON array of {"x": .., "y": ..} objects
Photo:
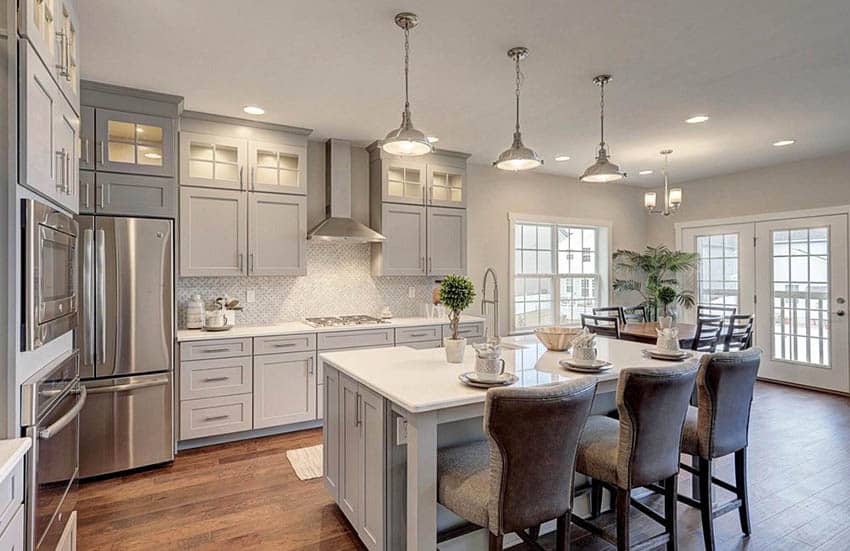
[
  {"x": 66, "y": 133},
  {"x": 215, "y": 416},
  {"x": 284, "y": 389},
  {"x": 218, "y": 377},
  {"x": 208, "y": 160},
  {"x": 404, "y": 251},
  {"x": 213, "y": 223},
  {"x": 349, "y": 448},
  {"x": 133, "y": 143},
  {"x": 446, "y": 186},
  {"x": 278, "y": 167},
  {"x": 330, "y": 432},
  {"x": 446, "y": 241},
  {"x": 402, "y": 180},
  {"x": 87, "y": 202},
  {"x": 277, "y": 234},
  {"x": 87, "y": 142},
  {"x": 130, "y": 195},
  {"x": 37, "y": 24}
]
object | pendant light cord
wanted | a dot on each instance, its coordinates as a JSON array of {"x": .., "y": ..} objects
[
  {"x": 602, "y": 114},
  {"x": 518, "y": 83},
  {"x": 406, "y": 65}
]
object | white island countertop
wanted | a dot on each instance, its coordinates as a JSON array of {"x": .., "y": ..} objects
[
  {"x": 295, "y": 327},
  {"x": 11, "y": 451},
  {"x": 422, "y": 380}
]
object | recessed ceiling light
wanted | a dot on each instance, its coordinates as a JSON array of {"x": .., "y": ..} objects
[
  {"x": 433, "y": 139},
  {"x": 696, "y": 119},
  {"x": 783, "y": 143},
  {"x": 645, "y": 172},
  {"x": 253, "y": 110},
  {"x": 562, "y": 158}
]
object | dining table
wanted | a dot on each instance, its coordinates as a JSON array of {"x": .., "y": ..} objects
[{"x": 646, "y": 332}]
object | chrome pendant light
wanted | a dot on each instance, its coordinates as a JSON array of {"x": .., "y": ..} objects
[
  {"x": 603, "y": 170},
  {"x": 672, "y": 197},
  {"x": 517, "y": 156},
  {"x": 406, "y": 140}
]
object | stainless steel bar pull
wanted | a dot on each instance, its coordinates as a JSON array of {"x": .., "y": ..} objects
[
  {"x": 87, "y": 296},
  {"x": 100, "y": 295},
  {"x": 63, "y": 421}
]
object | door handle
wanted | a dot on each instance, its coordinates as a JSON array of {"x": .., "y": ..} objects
[
  {"x": 357, "y": 413},
  {"x": 251, "y": 183},
  {"x": 62, "y": 422},
  {"x": 102, "y": 153},
  {"x": 68, "y": 173},
  {"x": 215, "y": 379},
  {"x": 250, "y": 263},
  {"x": 60, "y": 35},
  {"x": 241, "y": 185},
  {"x": 239, "y": 260},
  {"x": 159, "y": 381},
  {"x": 216, "y": 418},
  {"x": 60, "y": 169},
  {"x": 88, "y": 303},
  {"x": 100, "y": 296}
]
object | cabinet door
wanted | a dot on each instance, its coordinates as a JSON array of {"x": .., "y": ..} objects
[
  {"x": 446, "y": 186},
  {"x": 40, "y": 105},
  {"x": 12, "y": 535},
  {"x": 131, "y": 195},
  {"x": 36, "y": 23},
  {"x": 134, "y": 144},
  {"x": 66, "y": 134},
  {"x": 371, "y": 493},
  {"x": 349, "y": 449},
  {"x": 278, "y": 168},
  {"x": 212, "y": 232},
  {"x": 87, "y": 192},
  {"x": 446, "y": 241},
  {"x": 86, "y": 147},
  {"x": 68, "y": 540},
  {"x": 403, "y": 252},
  {"x": 330, "y": 431},
  {"x": 277, "y": 234},
  {"x": 284, "y": 389},
  {"x": 65, "y": 66},
  {"x": 212, "y": 161},
  {"x": 403, "y": 181}
]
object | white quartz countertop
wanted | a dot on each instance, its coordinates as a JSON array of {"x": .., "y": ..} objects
[
  {"x": 11, "y": 451},
  {"x": 422, "y": 380},
  {"x": 294, "y": 327}
]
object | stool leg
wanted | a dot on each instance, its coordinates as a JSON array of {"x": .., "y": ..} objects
[
  {"x": 595, "y": 498},
  {"x": 741, "y": 485},
  {"x": 670, "y": 494},
  {"x": 495, "y": 542},
  {"x": 705, "y": 503},
  {"x": 562, "y": 536},
  {"x": 622, "y": 506}
]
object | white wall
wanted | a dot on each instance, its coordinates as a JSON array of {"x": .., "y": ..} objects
[
  {"x": 494, "y": 193},
  {"x": 805, "y": 184}
]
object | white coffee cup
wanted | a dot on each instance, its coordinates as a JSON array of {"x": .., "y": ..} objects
[{"x": 489, "y": 369}]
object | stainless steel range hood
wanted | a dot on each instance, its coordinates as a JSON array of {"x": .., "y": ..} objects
[{"x": 339, "y": 226}]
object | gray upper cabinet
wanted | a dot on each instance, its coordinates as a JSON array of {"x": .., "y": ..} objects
[
  {"x": 66, "y": 133},
  {"x": 86, "y": 158},
  {"x": 277, "y": 234},
  {"x": 284, "y": 389},
  {"x": 212, "y": 232},
  {"x": 131, "y": 195},
  {"x": 212, "y": 161},
  {"x": 446, "y": 241},
  {"x": 87, "y": 203},
  {"x": 132, "y": 143},
  {"x": 278, "y": 168},
  {"x": 446, "y": 186},
  {"x": 404, "y": 252},
  {"x": 403, "y": 181},
  {"x": 37, "y": 24}
]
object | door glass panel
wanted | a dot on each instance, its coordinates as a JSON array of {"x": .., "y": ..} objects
[
  {"x": 201, "y": 169},
  {"x": 267, "y": 158},
  {"x": 446, "y": 187},
  {"x": 149, "y": 155},
  {"x": 404, "y": 182},
  {"x": 226, "y": 172},
  {"x": 201, "y": 151},
  {"x": 801, "y": 296},
  {"x": 122, "y": 153},
  {"x": 226, "y": 154},
  {"x": 289, "y": 178},
  {"x": 717, "y": 270},
  {"x": 149, "y": 134},
  {"x": 288, "y": 161},
  {"x": 124, "y": 131},
  {"x": 267, "y": 176},
  {"x": 134, "y": 143}
]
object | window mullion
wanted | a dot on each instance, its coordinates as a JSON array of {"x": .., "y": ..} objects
[{"x": 556, "y": 281}]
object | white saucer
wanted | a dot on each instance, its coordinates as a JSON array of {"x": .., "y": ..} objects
[
  {"x": 585, "y": 366},
  {"x": 471, "y": 378},
  {"x": 662, "y": 355}
]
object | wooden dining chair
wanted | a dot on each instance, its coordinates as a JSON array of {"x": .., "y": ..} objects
[
  {"x": 711, "y": 311},
  {"x": 739, "y": 334},
  {"x": 707, "y": 334},
  {"x": 634, "y": 314},
  {"x": 610, "y": 311},
  {"x": 607, "y": 326}
]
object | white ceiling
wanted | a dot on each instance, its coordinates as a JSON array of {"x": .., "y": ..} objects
[{"x": 763, "y": 70}]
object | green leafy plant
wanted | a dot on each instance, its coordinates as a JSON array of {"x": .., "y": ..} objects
[
  {"x": 654, "y": 269},
  {"x": 456, "y": 294}
]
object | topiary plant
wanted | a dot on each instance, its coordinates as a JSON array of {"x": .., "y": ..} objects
[
  {"x": 666, "y": 296},
  {"x": 456, "y": 294}
]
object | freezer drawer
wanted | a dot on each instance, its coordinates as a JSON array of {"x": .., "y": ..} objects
[{"x": 126, "y": 423}]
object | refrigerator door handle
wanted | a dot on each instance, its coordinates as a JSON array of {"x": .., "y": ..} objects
[
  {"x": 159, "y": 381},
  {"x": 100, "y": 296},
  {"x": 88, "y": 303}
]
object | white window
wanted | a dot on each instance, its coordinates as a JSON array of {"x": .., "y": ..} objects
[
  {"x": 558, "y": 270},
  {"x": 717, "y": 273}
]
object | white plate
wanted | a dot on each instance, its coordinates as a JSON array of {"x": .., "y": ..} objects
[
  {"x": 478, "y": 378},
  {"x": 584, "y": 366},
  {"x": 661, "y": 355},
  {"x": 465, "y": 379}
]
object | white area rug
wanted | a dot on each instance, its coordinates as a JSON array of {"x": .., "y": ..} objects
[{"x": 307, "y": 462}]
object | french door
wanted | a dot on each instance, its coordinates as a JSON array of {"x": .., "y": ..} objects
[{"x": 793, "y": 275}]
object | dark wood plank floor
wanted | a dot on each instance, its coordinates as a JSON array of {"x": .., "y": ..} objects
[{"x": 245, "y": 495}]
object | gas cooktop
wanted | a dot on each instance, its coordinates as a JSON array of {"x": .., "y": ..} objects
[{"x": 339, "y": 321}]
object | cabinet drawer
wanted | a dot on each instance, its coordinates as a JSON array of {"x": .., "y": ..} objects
[
  {"x": 224, "y": 348},
  {"x": 470, "y": 330},
  {"x": 213, "y": 416},
  {"x": 11, "y": 494},
  {"x": 418, "y": 334},
  {"x": 338, "y": 340},
  {"x": 285, "y": 343},
  {"x": 211, "y": 378}
]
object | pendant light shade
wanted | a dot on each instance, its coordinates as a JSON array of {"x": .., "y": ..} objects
[
  {"x": 603, "y": 170},
  {"x": 518, "y": 156},
  {"x": 406, "y": 140}
]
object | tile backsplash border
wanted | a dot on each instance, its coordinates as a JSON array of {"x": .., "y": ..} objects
[{"x": 338, "y": 282}]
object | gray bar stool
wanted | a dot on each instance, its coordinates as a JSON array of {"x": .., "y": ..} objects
[
  {"x": 718, "y": 426},
  {"x": 523, "y": 474},
  {"x": 640, "y": 449}
]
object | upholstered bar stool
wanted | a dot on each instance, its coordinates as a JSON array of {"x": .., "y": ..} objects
[
  {"x": 719, "y": 426},
  {"x": 639, "y": 449},
  {"x": 523, "y": 474}
]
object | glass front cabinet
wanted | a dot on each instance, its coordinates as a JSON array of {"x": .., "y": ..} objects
[
  {"x": 212, "y": 161},
  {"x": 446, "y": 186},
  {"x": 134, "y": 144},
  {"x": 278, "y": 168}
]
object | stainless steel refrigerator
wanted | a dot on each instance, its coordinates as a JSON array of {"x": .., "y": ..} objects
[{"x": 126, "y": 341}]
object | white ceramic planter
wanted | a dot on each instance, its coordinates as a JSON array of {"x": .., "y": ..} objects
[{"x": 454, "y": 349}]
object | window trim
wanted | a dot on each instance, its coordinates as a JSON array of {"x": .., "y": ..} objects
[{"x": 604, "y": 239}]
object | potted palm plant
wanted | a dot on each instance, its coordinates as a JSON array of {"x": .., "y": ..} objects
[
  {"x": 651, "y": 270},
  {"x": 456, "y": 294}
]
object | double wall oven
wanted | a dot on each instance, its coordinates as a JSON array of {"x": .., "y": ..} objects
[{"x": 51, "y": 403}]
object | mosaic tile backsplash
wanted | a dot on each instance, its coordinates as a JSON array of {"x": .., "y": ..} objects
[{"x": 338, "y": 282}]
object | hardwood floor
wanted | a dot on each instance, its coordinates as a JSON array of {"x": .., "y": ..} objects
[{"x": 245, "y": 495}]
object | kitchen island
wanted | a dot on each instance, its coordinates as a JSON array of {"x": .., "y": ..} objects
[{"x": 389, "y": 411}]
